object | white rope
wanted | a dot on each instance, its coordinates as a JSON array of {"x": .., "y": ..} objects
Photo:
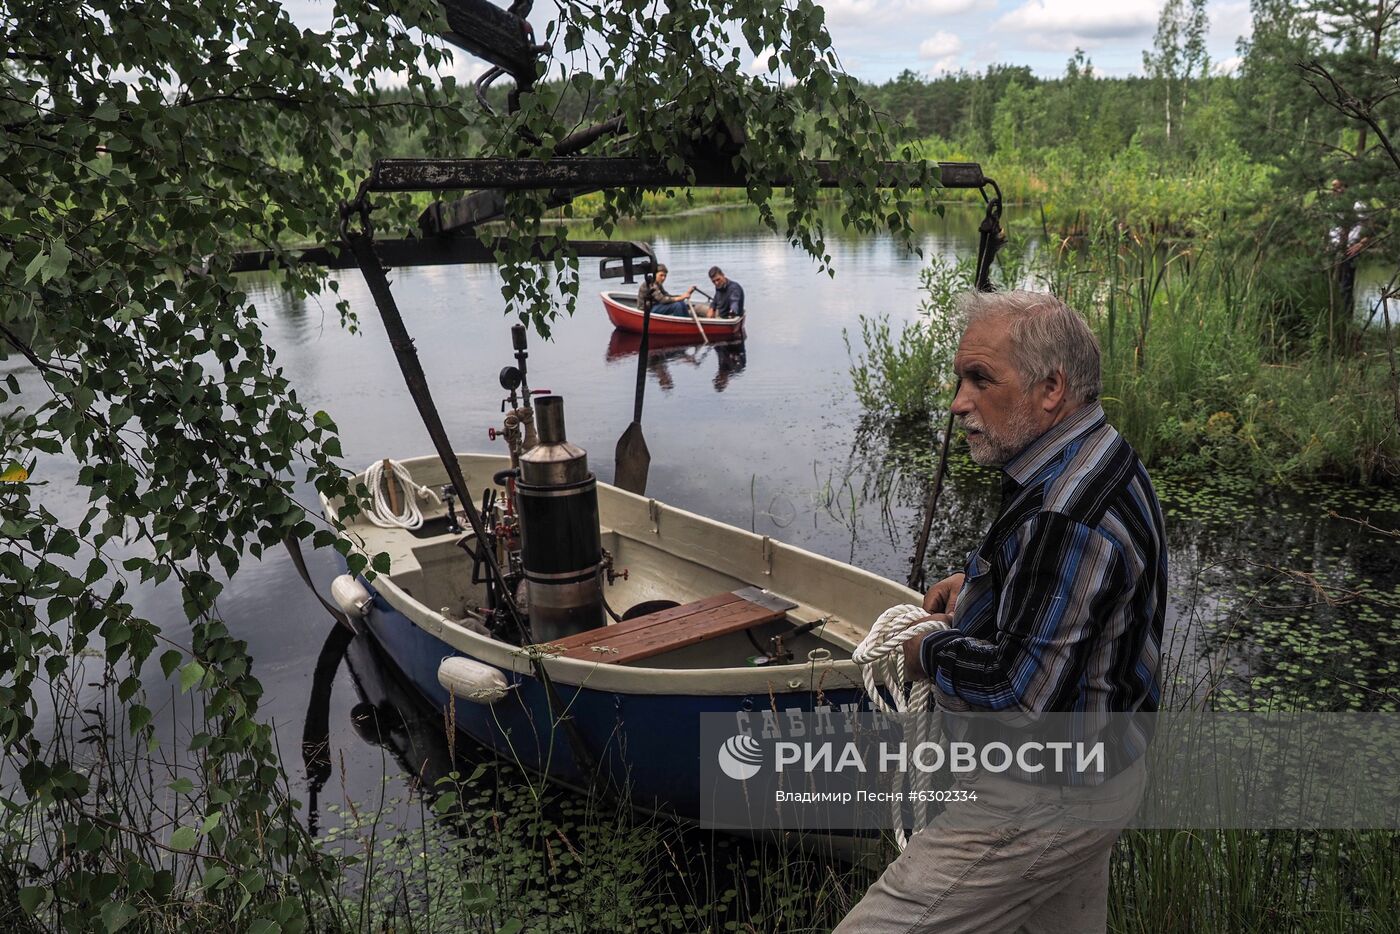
[
  {"x": 381, "y": 513},
  {"x": 880, "y": 656}
]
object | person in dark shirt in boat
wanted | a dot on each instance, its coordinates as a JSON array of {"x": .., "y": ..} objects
[
  {"x": 652, "y": 295},
  {"x": 1059, "y": 611},
  {"x": 728, "y": 301}
]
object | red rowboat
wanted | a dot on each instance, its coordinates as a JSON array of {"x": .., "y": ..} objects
[{"x": 625, "y": 315}]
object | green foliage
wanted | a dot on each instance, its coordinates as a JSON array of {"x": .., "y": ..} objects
[
  {"x": 141, "y": 147},
  {"x": 909, "y": 378},
  {"x": 764, "y": 126},
  {"x": 576, "y": 862},
  {"x": 1271, "y": 113},
  {"x": 1194, "y": 220},
  {"x": 1200, "y": 371},
  {"x": 1233, "y": 880},
  {"x": 902, "y": 377},
  {"x": 1178, "y": 56},
  {"x": 543, "y": 859}
]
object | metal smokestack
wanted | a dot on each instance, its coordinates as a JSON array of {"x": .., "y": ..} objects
[{"x": 561, "y": 548}]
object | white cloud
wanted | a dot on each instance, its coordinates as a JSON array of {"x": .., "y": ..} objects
[
  {"x": 310, "y": 14},
  {"x": 1228, "y": 67},
  {"x": 467, "y": 69},
  {"x": 940, "y": 45},
  {"x": 946, "y": 7},
  {"x": 1062, "y": 24},
  {"x": 942, "y": 49},
  {"x": 851, "y": 10},
  {"x": 885, "y": 11},
  {"x": 1229, "y": 22},
  {"x": 759, "y": 65}
]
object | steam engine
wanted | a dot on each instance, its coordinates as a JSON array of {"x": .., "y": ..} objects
[
  {"x": 545, "y": 536},
  {"x": 561, "y": 552}
]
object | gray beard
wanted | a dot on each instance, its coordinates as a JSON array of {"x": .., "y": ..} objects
[{"x": 996, "y": 450}]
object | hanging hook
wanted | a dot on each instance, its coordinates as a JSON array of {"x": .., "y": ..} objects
[
  {"x": 484, "y": 82},
  {"x": 990, "y": 237},
  {"x": 360, "y": 206}
]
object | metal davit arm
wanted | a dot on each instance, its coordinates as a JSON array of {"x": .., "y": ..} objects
[
  {"x": 594, "y": 172},
  {"x": 567, "y": 178},
  {"x": 438, "y": 251},
  {"x": 361, "y": 245}
]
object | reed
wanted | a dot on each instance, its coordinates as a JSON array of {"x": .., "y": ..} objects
[
  {"x": 1206, "y": 366},
  {"x": 582, "y": 864}
]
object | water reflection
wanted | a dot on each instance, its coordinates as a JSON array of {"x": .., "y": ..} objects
[
  {"x": 316, "y": 729},
  {"x": 788, "y": 453},
  {"x": 389, "y": 714},
  {"x": 664, "y": 351}
]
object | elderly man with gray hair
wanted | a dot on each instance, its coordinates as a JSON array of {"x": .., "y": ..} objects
[{"x": 1058, "y": 611}]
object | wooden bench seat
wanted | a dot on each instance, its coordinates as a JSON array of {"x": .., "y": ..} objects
[{"x": 635, "y": 639}]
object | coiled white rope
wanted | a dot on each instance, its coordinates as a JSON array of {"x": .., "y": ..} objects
[
  {"x": 880, "y": 656},
  {"x": 381, "y": 513}
]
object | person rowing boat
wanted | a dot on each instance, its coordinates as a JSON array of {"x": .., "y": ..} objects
[
  {"x": 728, "y": 300},
  {"x": 653, "y": 296}
]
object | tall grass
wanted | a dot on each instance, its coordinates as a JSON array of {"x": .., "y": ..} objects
[
  {"x": 1133, "y": 185},
  {"x": 520, "y": 857},
  {"x": 1203, "y": 366},
  {"x": 907, "y": 376},
  {"x": 501, "y": 851},
  {"x": 1287, "y": 880}
]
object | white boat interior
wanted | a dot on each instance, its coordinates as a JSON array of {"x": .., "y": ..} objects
[{"x": 670, "y": 555}]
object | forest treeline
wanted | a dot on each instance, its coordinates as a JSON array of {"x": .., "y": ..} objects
[
  {"x": 1254, "y": 138},
  {"x": 1230, "y": 231},
  {"x": 1227, "y": 226}
]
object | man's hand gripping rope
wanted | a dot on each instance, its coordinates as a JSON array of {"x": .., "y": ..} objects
[{"x": 881, "y": 657}]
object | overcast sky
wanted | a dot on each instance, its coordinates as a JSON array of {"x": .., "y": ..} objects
[{"x": 877, "y": 39}]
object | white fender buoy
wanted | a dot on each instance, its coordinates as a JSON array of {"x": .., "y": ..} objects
[
  {"x": 471, "y": 680},
  {"x": 351, "y": 596}
]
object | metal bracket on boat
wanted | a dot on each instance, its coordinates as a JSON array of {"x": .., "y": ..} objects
[
  {"x": 654, "y": 514},
  {"x": 765, "y": 599},
  {"x": 624, "y": 268},
  {"x": 767, "y": 552}
]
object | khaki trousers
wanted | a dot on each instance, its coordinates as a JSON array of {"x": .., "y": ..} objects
[{"x": 1020, "y": 858}]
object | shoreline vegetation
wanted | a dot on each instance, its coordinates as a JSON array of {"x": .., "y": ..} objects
[
  {"x": 1204, "y": 253},
  {"x": 1209, "y": 363},
  {"x": 1204, "y": 221}
]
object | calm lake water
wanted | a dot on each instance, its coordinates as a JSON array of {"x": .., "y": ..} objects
[{"x": 767, "y": 436}]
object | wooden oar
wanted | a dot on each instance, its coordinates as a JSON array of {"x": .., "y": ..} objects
[
  {"x": 633, "y": 460},
  {"x": 696, "y": 318}
]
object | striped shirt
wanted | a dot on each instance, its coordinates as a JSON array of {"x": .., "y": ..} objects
[{"x": 1063, "y": 603}]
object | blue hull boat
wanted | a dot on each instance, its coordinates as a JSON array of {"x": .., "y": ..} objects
[{"x": 633, "y": 714}]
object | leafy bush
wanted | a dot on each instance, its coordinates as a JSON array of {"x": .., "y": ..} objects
[
  {"x": 1204, "y": 367},
  {"x": 909, "y": 378}
]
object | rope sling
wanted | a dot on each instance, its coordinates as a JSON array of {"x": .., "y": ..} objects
[
  {"x": 880, "y": 657},
  {"x": 395, "y": 507}
]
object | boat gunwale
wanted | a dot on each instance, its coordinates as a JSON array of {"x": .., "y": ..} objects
[
  {"x": 798, "y": 676},
  {"x": 715, "y": 327}
]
